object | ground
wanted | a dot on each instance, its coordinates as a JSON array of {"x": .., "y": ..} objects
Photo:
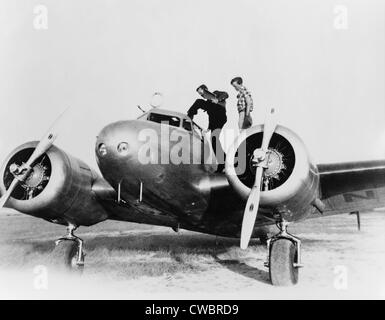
[{"x": 132, "y": 261}]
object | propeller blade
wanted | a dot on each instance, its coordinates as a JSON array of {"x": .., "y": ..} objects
[
  {"x": 251, "y": 209},
  {"x": 252, "y": 205},
  {"x": 44, "y": 144},
  {"x": 268, "y": 130},
  {"x": 46, "y": 141},
  {"x": 7, "y": 194}
]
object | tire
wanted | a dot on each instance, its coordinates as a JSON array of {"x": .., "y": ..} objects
[
  {"x": 283, "y": 253},
  {"x": 65, "y": 256}
]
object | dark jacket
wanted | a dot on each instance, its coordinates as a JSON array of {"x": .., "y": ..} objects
[
  {"x": 215, "y": 111},
  {"x": 221, "y": 96}
]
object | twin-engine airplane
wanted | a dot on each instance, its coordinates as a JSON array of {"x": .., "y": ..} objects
[{"x": 278, "y": 184}]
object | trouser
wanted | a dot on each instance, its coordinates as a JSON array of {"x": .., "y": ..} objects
[
  {"x": 244, "y": 121},
  {"x": 218, "y": 149}
]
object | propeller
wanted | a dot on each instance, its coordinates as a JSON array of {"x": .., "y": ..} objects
[
  {"x": 260, "y": 160},
  {"x": 24, "y": 170}
]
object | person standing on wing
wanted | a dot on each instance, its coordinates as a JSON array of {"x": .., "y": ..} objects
[
  {"x": 215, "y": 105},
  {"x": 244, "y": 104}
]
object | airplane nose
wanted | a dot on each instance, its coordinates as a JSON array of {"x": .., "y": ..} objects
[
  {"x": 117, "y": 140},
  {"x": 119, "y": 155}
]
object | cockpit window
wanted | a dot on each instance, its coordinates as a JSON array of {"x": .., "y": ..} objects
[
  {"x": 187, "y": 125},
  {"x": 164, "y": 118}
]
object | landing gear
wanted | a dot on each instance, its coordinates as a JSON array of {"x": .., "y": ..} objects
[
  {"x": 264, "y": 239},
  {"x": 284, "y": 257},
  {"x": 69, "y": 251}
]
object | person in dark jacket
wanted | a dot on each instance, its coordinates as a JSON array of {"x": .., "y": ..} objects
[{"x": 215, "y": 105}]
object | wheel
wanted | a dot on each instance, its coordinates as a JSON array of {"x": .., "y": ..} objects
[
  {"x": 282, "y": 271},
  {"x": 66, "y": 253}
]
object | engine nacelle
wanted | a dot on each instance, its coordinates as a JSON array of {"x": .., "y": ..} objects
[
  {"x": 290, "y": 182},
  {"x": 59, "y": 189}
]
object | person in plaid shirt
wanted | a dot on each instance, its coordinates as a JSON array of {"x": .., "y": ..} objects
[{"x": 244, "y": 104}]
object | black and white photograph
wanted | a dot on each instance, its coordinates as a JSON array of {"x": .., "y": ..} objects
[{"x": 192, "y": 150}]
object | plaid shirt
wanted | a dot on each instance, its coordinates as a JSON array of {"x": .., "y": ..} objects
[{"x": 242, "y": 102}]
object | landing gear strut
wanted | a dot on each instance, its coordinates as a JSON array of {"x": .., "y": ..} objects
[
  {"x": 70, "y": 247},
  {"x": 284, "y": 257},
  {"x": 263, "y": 239}
]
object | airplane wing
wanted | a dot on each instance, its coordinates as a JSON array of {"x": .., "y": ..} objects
[{"x": 352, "y": 186}]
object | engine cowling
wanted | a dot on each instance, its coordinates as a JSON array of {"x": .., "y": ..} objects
[
  {"x": 290, "y": 182},
  {"x": 59, "y": 188}
]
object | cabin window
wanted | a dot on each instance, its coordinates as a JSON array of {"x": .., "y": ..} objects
[
  {"x": 164, "y": 118},
  {"x": 187, "y": 125}
]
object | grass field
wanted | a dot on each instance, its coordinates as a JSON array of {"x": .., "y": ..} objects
[{"x": 126, "y": 260}]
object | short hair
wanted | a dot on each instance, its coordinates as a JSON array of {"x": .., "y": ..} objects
[
  {"x": 237, "y": 80},
  {"x": 202, "y": 86}
]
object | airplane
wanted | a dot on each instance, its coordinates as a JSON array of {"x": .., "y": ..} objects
[{"x": 273, "y": 184}]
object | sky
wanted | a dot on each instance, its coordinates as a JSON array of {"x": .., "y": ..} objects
[{"x": 319, "y": 63}]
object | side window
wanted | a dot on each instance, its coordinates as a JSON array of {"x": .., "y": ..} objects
[{"x": 187, "y": 125}]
